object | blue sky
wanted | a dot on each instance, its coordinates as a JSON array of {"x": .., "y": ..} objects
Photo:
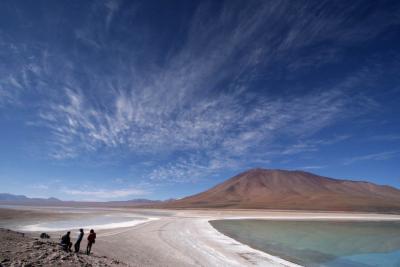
[{"x": 113, "y": 100}]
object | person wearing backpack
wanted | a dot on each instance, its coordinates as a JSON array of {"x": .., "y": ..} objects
[{"x": 91, "y": 240}]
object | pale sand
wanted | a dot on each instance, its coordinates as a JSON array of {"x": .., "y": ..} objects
[{"x": 185, "y": 238}]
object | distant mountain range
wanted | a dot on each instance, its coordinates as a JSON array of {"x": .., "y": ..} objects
[
  {"x": 263, "y": 189},
  {"x": 293, "y": 190},
  {"x": 5, "y": 197},
  {"x": 23, "y": 200}
]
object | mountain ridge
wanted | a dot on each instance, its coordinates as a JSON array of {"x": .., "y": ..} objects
[
  {"x": 12, "y": 197},
  {"x": 7, "y": 198},
  {"x": 263, "y": 189},
  {"x": 298, "y": 190}
]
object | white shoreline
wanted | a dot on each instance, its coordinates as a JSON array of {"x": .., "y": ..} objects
[
  {"x": 240, "y": 248},
  {"x": 107, "y": 226}
]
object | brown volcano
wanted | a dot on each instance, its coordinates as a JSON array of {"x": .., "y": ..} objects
[{"x": 293, "y": 190}]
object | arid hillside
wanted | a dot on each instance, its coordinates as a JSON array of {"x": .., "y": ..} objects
[{"x": 293, "y": 190}]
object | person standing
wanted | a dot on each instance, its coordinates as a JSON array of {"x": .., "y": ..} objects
[
  {"x": 78, "y": 241},
  {"x": 91, "y": 239}
]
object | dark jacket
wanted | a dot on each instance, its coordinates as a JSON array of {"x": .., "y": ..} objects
[
  {"x": 91, "y": 237},
  {"x": 65, "y": 239}
]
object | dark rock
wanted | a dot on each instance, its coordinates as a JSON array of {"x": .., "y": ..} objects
[{"x": 44, "y": 236}]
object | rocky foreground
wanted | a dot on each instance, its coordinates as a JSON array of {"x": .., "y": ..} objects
[{"x": 18, "y": 249}]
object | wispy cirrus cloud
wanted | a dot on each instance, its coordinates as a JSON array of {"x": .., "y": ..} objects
[
  {"x": 218, "y": 97},
  {"x": 314, "y": 167},
  {"x": 311, "y": 145},
  {"x": 176, "y": 108},
  {"x": 40, "y": 186},
  {"x": 220, "y": 122},
  {"x": 106, "y": 193},
  {"x": 385, "y": 137},
  {"x": 375, "y": 156},
  {"x": 193, "y": 168}
]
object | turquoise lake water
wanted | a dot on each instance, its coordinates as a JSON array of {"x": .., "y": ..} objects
[{"x": 320, "y": 243}]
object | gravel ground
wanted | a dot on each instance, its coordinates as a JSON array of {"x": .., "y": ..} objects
[{"x": 18, "y": 249}]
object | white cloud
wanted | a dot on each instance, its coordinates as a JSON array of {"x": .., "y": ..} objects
[
  {"x": 200, "y": 98},
  {"x": 106, "y": 193},
  {"x": 311, "y": 145},
  {"x": 191, "y": 168},
  {"x": 376, "y": 156},
  {"x": 217, "y": 123},
  {"x": 112, "y": 6},
  {"x": 385, "y": 137},
  {"x": 119, "y": 180},
  {"x": 314, "y": 167},
  {"x": 10, "y": 91},
  {"x": 40, "y": 186}
]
